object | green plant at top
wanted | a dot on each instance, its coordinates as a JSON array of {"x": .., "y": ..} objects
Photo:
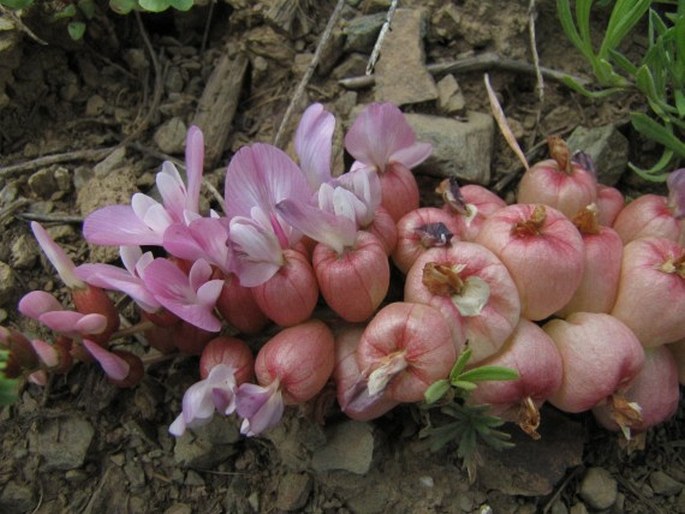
[
  {"x": 459, "y": 422},
  {"x": 659, "y": 75},
  {"x": 8, "y": 386},
  {"x": 78, "y": 12}
]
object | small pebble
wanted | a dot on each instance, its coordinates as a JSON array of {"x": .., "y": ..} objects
[{"x": 598, "y": 488}]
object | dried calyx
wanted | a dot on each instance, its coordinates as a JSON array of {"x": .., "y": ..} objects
[{"x": 533, "y": 225}]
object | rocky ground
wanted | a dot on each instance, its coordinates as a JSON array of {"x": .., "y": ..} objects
[{"x": 86, "y": 124}]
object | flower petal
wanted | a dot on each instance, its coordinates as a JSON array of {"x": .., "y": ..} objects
[
  {"x": 261, "y": 407},
  {"x": 172, "y": 190},
  {"x": 35, "y": 303},
  {"x": 114, "y": 366},
  {"x": 413, "y": 155},
  {"x": 314, "y": 144},
  {"x": 57, "y": 256},
  {"x": 195, "y": 157},
  {"x": 114, "y": 278},
  {"x": 676, "y": 192},
  {"x": 93, "y": 323},
  {"x": 118, "y": 225},
  {"x": 61, "y": 321},
  {"x": 257, "y": 253}
]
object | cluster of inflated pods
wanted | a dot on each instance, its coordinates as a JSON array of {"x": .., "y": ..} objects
[{"x": 582, "y": 296}]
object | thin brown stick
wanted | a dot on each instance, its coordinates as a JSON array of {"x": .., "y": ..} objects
[
  {"x": 47, "y": 160},
  {"x": 540, "y": 84},
  {"x": 50, "y": 218},
  {"x": 375, "y": 53},
  {"x": 299, "y": 90},
  {"x": 20, "y": 24},
  {"x": 482, "y": 62}
]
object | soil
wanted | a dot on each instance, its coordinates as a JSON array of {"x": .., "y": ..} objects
[{"x": 82, "y": 445}]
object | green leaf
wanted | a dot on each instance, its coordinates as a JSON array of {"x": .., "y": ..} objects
[
  {"x": 181, "y": 5},
  {"x": 8, "y": 391},
  {"x": 122, "y": 6},
  {"x": 624, "y": 17},
  {"x": 465, "y": 385},
  {"x": 87, "y": 7},
  {"x": 657, "y": 173},
  {"x": 76, "y": 30},
  {"x": 460, "y": 364},
  {"x": 659, "y": 133},
  {"x": 68, "y": 12},
  {"x": 16, "y": 4},
  {"x": 567, "y": 23},
  {"x": 583, "y": 8},
  {"x": 679, "y": 96},
  {"x": 485, "y": 373},
  {"x": 575, "y": 86},
  {"x": 436, "y": 391},
  {"x": 154, "y": 5},
  {"x": 623, "y": 62}
]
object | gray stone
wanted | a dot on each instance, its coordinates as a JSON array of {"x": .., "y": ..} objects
[
  {"x": 664, "y": 484},
  {"x": 462, "y": 149},
  {"x": 598, "y": 488},
  {"x": 112, "y": 161},
  {"x": 24, "y": 252},
  {"x": 62, "y": 443},
  {"x": 401, "y": 74},
  {"x": 578, "y": 508},
  {"x": 331, "y": 53},
  {"x": 558, "y": 507},
  {"x": 17, "y": 498},
  {"x": 206, "y": 446},
  {"x": 8, "y": 283},
  {"x": 179, "y": 508},
  {"x": 293, "y": 491},
  {"x": 95, "y": 105},
  {"x": 135, "y": 474},
  {"x": 174, "y": 80},
  {"x": 445, "y": 23},
  {"x": 349, "y": 447},
  {"x": 353, "y": 66},
  {"x": 43, "y": 183},
  {"x": 450, "y": 97},
  {"x": 361, "y": 32},
  {"x": 607, "y": 147},
  {"x": 194, "y": 479},
  {"x": 170, "y": 137}
]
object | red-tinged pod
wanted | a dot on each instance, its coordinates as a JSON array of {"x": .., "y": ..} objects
[
  {"x": 161, "y": 337},
  {"x": 474, "y": 291},
  {"x": 289, "y": 297},
  {"x": 136, "y": 370},
  {"x": 610, "y": 202},
  {"x": 383, "y": 226},
  {"x": 351, "y": 384},
  {"x": 238, "y": 307},
  {"x": 230, "y": 351},
  {"x": 190, "y": 339},
  {"x": 22, "y": 356},
  {"x": 534, "y": 356},
  {"x": 648, "y": 216},
  {"x": 651, "y": 290},
  {"x": 404, "y": 349},
  {"x": 543, "y": 252},
  {"x": 678, "y": 352},
  {"x": 93, "y": 300},
  {"x": 470, "y": 205},
  {"x": 655, "y": 390},
  {"x": 301, "y": 358},
  {"x": 558, "y": 182},
  {"x": 603, "y": 252},
  {"x": 421, "y": 229},
  {"x": 355, "y": 282},
  {"x": 399, "y": 190},
  {"x": 160, "y": 318},
  {"x": 601, "y": 357}
]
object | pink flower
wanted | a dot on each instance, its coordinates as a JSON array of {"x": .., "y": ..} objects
[
  {"x": 191, "y": 297},
  {"x": 145, "y": 220},
  {"x": 260, "y": 407},
  {"x": 216, "y": 392},
  {"x": 313, "y": 144},
  {"x": 114, "y": 366},
  {"x": 44, "y": 308},
  {"x": 202, "y": 238},
  {"x": 381, "y": 135},
  {"x": 128, "y": 280},
  {"x": 59, "y": 259}
]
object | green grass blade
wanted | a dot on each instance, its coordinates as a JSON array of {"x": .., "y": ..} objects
[
  {"x": 657, "y": 132},
  {"x": 569, "y": 27},
  {"x": 624, "y": 17}
]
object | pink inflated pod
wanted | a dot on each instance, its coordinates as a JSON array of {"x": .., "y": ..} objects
[
  {"x": 190, "y": 339},
  {"x": 230, "y": 351},
  {"x": 610, "y": 202},
  {"x": 404, "y": 349},
  {"x": 161, "y": 337},
  {"x": 534, "y": 356},
  {"x": 419, "y": 230},
  {"x": 543, "y": 252},
  {"x": 655, "y": 390},
  {"x": 601, "y": 357},
  {"x": 289, "y": 296},
  {"x": 473, "y": 290},
  {"x": 383, "y": 226},
  {"x": 470, "y": 205},
  {"x": 238, "y": 306},
  {"x": 603, "y": 251},
  {"x": 351, "y": 385},
  {"x": 678, "y": 352},
  {"x": 651, "y": 290},
  {"x": 648, "y": 216},
  {"x": 559, "y": 182}
]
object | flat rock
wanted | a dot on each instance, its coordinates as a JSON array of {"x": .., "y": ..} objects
[
  {"x": 598, "y": 489},
  {"x": 62, "y": 443},
  {"x": 349, "y": 447},
  {"x": 24, "y": 252},
  {"x": 361, "y": 32},
  {"x": 461, "y": 149},
  {"x": 170, "y": 137},
  {"x": 607, "y": 147},
  {"x": 206, "y": 446},
  {"x": 17, "y": 497},
  {"x": 113, "y": 161},
  {"x": 533, "y": 468},
  {"x": 664, "y": 484},
  {"x": 401, "y": 74},
  {"x": 8, "y": 283},
  {"x": 293, "y": 491}
]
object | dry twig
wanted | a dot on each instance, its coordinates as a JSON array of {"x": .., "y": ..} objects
[
  {"x": 47, "y": 160},
  {"x": 299, "y": 90},
  {"x": 381, "y": 36}
]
